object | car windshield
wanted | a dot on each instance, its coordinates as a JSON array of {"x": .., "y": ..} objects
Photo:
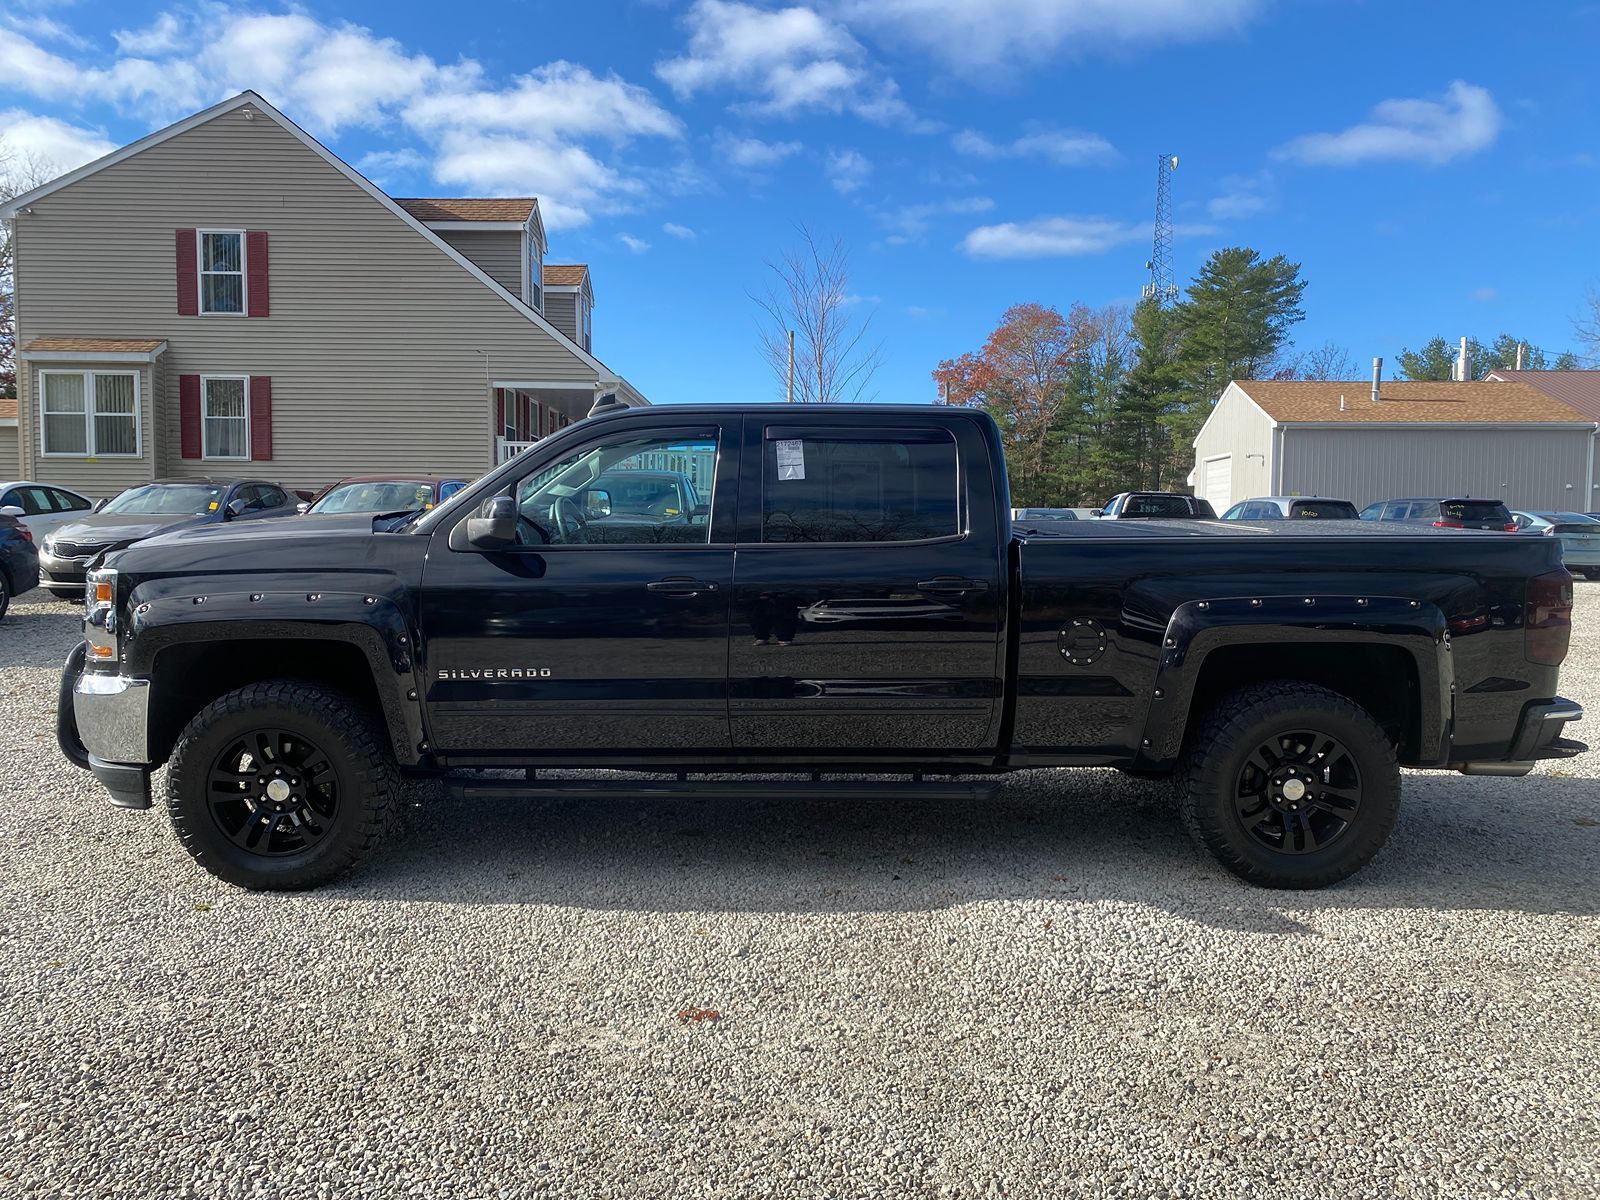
[
  {"x": 1047, "y": 514},
  {"x": 381, "y": 496},
  {"x": 1157, "y": 506},
  {"x": 168, "y": 499},
  {"x": 645, "y": 494},
  {"x": 1474, "y": 510},
  {"x": 1333, "y": 509}
]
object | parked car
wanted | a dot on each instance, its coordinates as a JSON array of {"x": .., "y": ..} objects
[
  {"x": 1291, "y": 508},
  {"x": 42, "y": 506},
  {"x": 19, "y": 561},
  {"x": 1283, "y": 676},
  {"x": 1043, "y": 514},
  {"x": 383, "y": 494},
  {"x": 1578, "y": 533},
  {"x": 1452, "y": 513},
  {"x": 1154, "y": 505},
  {"x": 147, "y": 510}
]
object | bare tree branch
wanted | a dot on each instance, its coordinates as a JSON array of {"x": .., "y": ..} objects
[{"x": 808, "y": 292}]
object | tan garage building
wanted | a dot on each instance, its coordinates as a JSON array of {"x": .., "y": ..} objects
[{"x": 1496, "y": 439}]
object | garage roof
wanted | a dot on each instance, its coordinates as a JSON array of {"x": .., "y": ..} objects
[
  {"x": 1576, "y": 389},
  {"x": 1404, "y": 401}
]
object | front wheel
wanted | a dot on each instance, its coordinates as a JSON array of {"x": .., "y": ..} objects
[
  {"x": 1290, "y": 785},
  {"x": 281, "y": 786}
]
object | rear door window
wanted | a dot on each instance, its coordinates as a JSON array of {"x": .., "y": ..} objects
[
  {"x": 859, "y": 486},
  {"x": 1159, "y": 506}
]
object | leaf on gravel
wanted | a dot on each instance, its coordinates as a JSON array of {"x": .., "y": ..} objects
[
  {"x": 200, "y": 906},
  {"x": 693, "y": 1015},
  {"x": 1586, "y": 822}
]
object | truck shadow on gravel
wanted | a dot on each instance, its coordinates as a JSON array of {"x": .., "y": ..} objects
[{"x": 1514, "y": 845}]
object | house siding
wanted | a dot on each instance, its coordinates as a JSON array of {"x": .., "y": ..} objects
[
  {"x": 1527, "y": 468},
  {"x": 10, "y": 466},
  {"x": 561, "y": 310},
  {"x": 373, "y": 327},
  {"x": 95, "y": 477},
  {"x": 497, "y": 252},
  {"x": 1237, "y": 428}
]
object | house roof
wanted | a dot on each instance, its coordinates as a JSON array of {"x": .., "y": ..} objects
[
  {"x": 1575, "y": 389},
  {"x": 464, "y": 208},
  {"x": 93, "y": 345},
  {"x": 8, "y": 410},
  {"x": 565, "y": 274},
  {"x": 1405, "y": 401}
]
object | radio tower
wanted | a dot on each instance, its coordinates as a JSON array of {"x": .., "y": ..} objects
[{"x": 1161, "y": 288}]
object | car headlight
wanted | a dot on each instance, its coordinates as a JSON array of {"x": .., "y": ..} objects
[
  {"x": 100, "y": 614},
  {"x": 48, "y": 546}
]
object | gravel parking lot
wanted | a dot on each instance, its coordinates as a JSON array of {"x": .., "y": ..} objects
[{"x": 1054, "y": 995}]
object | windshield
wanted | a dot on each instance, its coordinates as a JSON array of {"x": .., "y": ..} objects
[
  {"x": 1332, "y": 509},
  {"x": 1047, "y": 514},
  {"x": 168, "y": 500},
  {"x": 393, "y": 495}
]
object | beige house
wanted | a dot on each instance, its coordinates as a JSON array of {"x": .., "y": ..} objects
[
  {"x": 8, "y": 439},
  {"x": 1486, "y": 438},
  {"x": 227, "y": 297}
]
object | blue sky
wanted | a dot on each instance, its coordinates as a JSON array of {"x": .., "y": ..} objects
[{"x": 1436, "y": 168}]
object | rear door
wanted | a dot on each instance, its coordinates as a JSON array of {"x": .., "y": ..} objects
[{"x": 868, "y": 590}]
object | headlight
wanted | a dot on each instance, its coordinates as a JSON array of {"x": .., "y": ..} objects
[
  {"x": 48, "y": 546},
  {"x": 100, "y": 614}
]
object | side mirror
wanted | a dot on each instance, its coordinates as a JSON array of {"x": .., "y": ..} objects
[
  {"x": 236, "y": 508},
  {"x": 1096, "y": 512},
  {"x": 700, "y": 514},
  {"x": 99, "y": 504},
  {"x": 11, "y": 510},
  {"x": 496, "y": 531},
  {"x": 597, "y": 503},
  {"x": 303, "y": 507}
]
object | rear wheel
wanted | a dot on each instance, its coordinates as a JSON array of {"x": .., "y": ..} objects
[
  {"x": 281, "y": 786},
  {"x": 1290, "y": 785}
]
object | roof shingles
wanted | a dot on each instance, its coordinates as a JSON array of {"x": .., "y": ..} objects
[
  {"x": 92, "y": 345},
  {"x": 464, "y": 208},
  {"x": 564, "y": 274},
  {"x": 1405, "y": 401},
  {"x": 8, "y": 410}
]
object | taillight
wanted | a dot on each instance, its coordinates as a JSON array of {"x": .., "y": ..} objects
[
  {"x": 24, "y": 531},
  {"x": 1510, "y": 527},
  {"x": 1446, "y": 523},
  {"x": 1547, "y": 618}
]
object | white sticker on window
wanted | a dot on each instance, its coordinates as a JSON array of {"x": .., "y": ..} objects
[{"x": 791, "y": 459}]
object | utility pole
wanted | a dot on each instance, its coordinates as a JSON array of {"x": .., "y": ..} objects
[
  {"x": 1161, "y": 288},
  {"x": 788, "y": 395}
]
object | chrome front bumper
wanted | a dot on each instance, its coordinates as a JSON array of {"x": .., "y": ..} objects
[{"x": 112, "y": 713}]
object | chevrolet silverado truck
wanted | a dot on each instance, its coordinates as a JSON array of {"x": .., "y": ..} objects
[{"x": 848, "y": 603}]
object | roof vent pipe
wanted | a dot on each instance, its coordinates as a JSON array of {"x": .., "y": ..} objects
[
  {"x": 1463, "y": 370},
  {"x": 1377, "y": 379},
  {"x": 1521, "y": 346}
]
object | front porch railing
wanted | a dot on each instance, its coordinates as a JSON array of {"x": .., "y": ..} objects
[{"x": 505, "y": 449}]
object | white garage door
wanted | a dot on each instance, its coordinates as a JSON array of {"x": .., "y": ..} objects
[{"x": 1216, "y": 482}]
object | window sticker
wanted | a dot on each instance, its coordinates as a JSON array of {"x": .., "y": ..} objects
[{"x": 791, "y": 459}]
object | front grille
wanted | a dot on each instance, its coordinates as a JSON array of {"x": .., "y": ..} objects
[{"x": 78, "y": 549}]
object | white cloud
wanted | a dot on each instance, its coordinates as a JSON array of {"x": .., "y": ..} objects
[
  {"x": 1242, "y": 196},
  {"x": 790, "y": 60},
  {"x": 753, "y": 154},
  {"x": 848, "y": 170},
  {"x": 1485, "y": 295},
  {"x": 911, "y": 223},
  {"x": 1064, "y": 147},
  {"x": 682, "y": 232},
  {"x": 55, "y": 144},
  {"x": 975, "y": 35},
  {"x": 387, "y": 164},
  {"x": 1052, "y": 237},
  {"x": 637, "y": 245},
  {"x": 534, "y": 134},
  {"x": 1463, "y": 121}
]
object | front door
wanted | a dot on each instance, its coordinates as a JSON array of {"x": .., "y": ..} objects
[
  {"x": 603, "y": 630},
  {"x": 868, "y": 597}
]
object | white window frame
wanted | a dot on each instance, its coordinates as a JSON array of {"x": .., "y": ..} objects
[
  {"x": 205, "y": 381},
  {"x": 585, "y": 323},
  {"x": 535, "y": 277},
  {"x": 201, "y": 273},
  {"x": 88, "y": 378}
]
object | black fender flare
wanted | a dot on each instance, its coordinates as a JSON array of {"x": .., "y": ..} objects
[
  {"x": 1199, "y": 627},
  {"x": 371, "y": 622}
]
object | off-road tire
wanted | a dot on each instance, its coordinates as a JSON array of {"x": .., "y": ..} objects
[
  {"x": 356, "y": 748},
  {"x": 1216, "y": 757}
]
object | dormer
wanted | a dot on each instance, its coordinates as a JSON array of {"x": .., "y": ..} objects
[
  {"x": 504, "y": 238},
  {"x": 569, "y": 302}
]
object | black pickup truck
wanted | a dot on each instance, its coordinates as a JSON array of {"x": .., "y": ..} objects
[{"x": 847, "y": 602}]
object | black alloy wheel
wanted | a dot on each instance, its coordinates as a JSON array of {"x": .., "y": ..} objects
[
  {"x": 273, "y": 793},
  {"x": 1298, "y": 791}
]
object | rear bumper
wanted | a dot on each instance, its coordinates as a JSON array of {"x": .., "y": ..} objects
[{"x": 1538, "y": 737}]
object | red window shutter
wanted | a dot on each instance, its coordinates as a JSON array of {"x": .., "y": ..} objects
[
  {"x": 189, "y": 415},
  {"x": 258, "y": 297},
  {"x": 188, "y": 273},
  {"x": 261, "y": 417}
]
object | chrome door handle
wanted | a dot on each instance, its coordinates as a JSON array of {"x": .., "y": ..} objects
[
  {"x": 949, "y": 586},
  {"x": 681, "y": 587}
]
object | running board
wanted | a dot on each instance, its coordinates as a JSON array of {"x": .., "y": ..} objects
[{"x": 753, "y": 787}]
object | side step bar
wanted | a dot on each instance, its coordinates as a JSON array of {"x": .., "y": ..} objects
[{"x": 752, "y": 786}]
